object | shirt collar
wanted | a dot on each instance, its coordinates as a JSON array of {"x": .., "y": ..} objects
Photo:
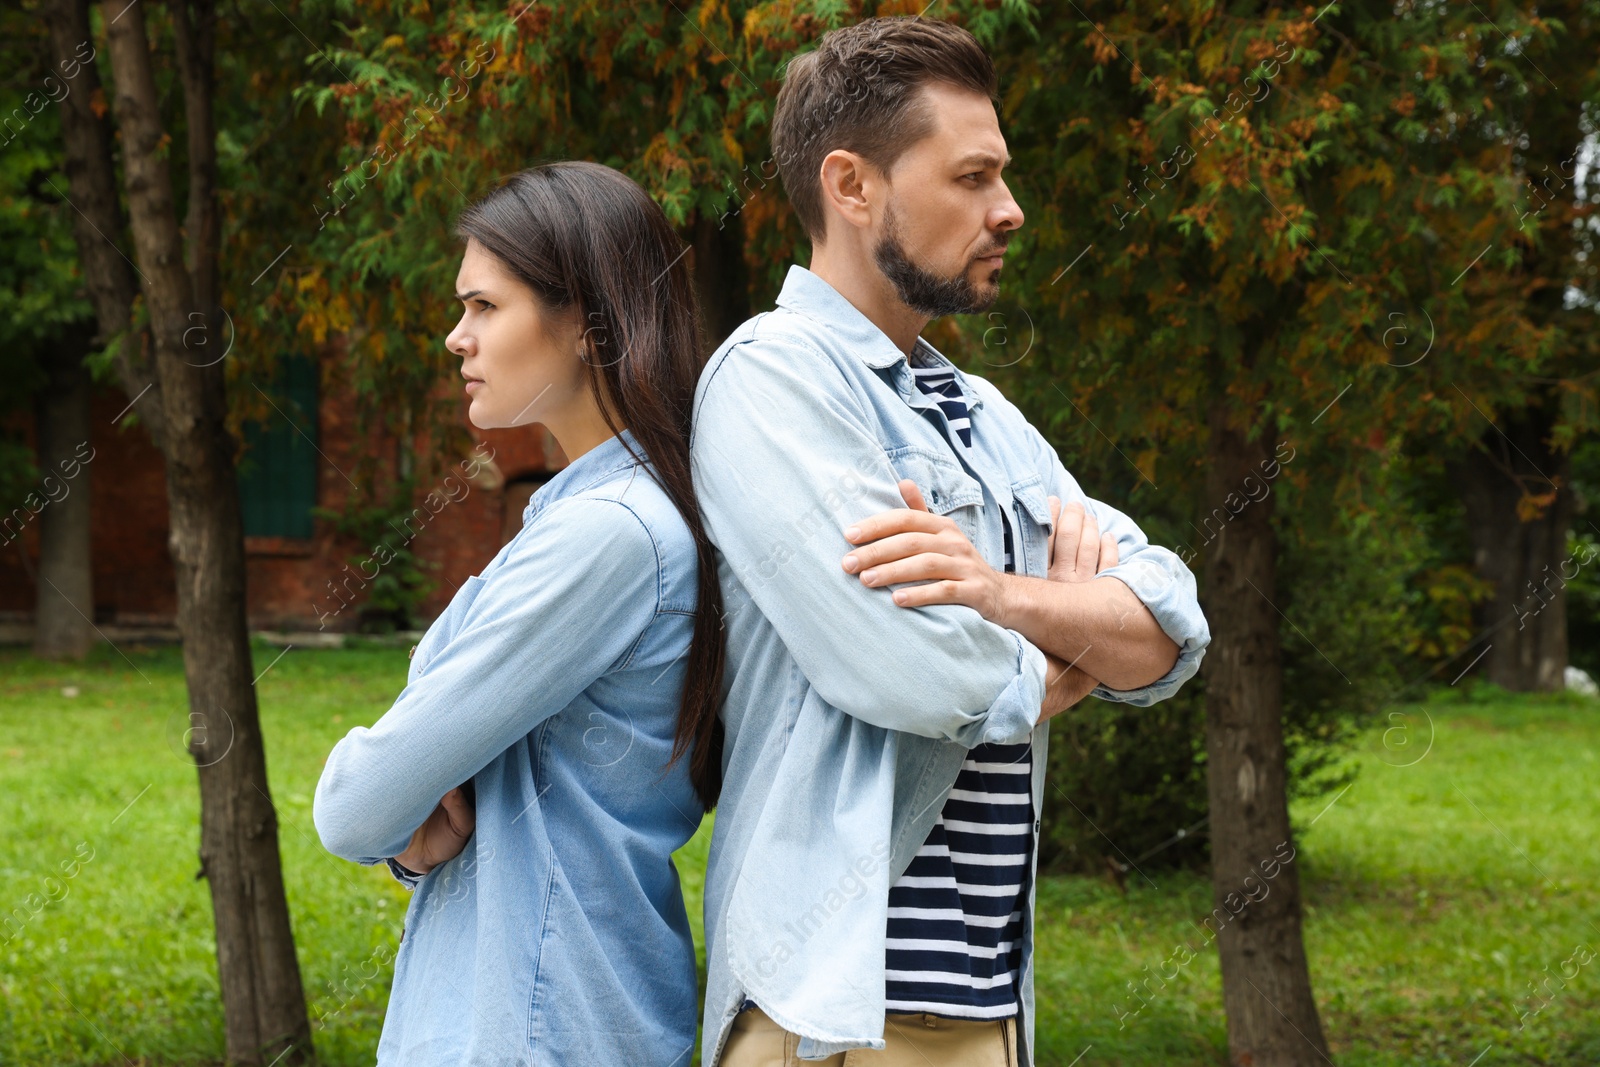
[
  {"x": 604, "y": 458},
  {"x": 809, "y": 295}
]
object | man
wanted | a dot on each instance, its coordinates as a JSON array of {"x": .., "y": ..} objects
[{"x": 870, "y": 885}]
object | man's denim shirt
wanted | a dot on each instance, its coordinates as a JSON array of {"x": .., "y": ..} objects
[
  {"x": 559, "y": 935},
  {"x": 847, "y": 715}
]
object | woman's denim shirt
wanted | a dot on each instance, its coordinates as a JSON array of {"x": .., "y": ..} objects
[
  {"x": 848, "y": 716},
  {"x": 553, "y": 680}
]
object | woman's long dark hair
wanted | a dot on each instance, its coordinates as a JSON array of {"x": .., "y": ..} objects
[{"x": 588, "y": 240}]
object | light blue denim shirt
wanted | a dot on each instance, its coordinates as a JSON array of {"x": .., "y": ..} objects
[
  {"x": 848, "y": 716},
  {"x": 553, "y": 680}
]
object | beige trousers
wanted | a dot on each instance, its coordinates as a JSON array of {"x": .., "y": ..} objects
[{"x": 910, "y": 1040}]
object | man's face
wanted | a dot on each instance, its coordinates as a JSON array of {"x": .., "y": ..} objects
[{"x": 949, "y": 210}]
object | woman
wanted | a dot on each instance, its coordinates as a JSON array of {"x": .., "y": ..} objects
[{"x": 573, "y": 684}]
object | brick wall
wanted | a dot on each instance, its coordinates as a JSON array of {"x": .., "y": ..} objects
[{"x": 288, "y": 580}]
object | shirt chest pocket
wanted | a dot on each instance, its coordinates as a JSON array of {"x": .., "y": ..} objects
[
  {"x": 1030, "y": 515},
  {"x": 946, "y": 487}
]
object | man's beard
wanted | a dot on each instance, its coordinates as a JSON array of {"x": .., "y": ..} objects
[{"x": 925, "y": 293}]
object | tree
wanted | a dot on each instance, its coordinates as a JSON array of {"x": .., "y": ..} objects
[
  {"x": 1246, "y": 231},
  {"x": 437, "y": 102},
  {"x": 63, "y": 615},
  {"x": 166, "y": 325},
  {"x": 1515, "y": 476},
  {"x": 45, "y": 334}
]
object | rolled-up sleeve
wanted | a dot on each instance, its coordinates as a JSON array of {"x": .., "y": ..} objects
[
  {"x": 784, "y": 458},
  {"x": 565, "y": 606},
  {"x": 404, "y": 875},
  {"x": 1161, "y": 581}
]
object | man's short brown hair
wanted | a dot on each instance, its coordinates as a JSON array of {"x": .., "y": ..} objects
[{"x": 858, "y": 91}]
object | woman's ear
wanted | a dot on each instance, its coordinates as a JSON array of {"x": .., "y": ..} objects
[{"x": 565, "y": 329}]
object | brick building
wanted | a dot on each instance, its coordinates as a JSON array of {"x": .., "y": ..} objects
[{"x": 300, "y": 575}]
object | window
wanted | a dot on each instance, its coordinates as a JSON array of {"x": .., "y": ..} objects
[{"x": 278, "y": 467}]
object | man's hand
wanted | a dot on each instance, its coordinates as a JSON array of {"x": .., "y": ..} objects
[
  {"x": 442, "y": 835},
  {"x": 1078, "y": 550},
  {"x": 912, "y": 544},
  {"x": 908, "y": 544}
]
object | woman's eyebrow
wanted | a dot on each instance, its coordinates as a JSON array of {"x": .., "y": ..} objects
[{"x": 464, "y": 297}]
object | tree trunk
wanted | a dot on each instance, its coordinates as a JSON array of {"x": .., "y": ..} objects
[
  {"x": 63, "y": 614},
  {"x": 1266, "y": 987},
  {"x": 1521, "y": 552},
  {"x": 180, "y": 394},
  {"x": 98, "y": 222},
  {"x": 721, "y": 279}
]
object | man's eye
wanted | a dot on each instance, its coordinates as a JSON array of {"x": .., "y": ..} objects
[{"x": 975, "y": 174}]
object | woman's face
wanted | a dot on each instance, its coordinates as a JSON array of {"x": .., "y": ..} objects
[{"x": 522, "y": 366}]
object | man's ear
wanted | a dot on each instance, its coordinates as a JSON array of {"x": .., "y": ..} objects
[{"x": 843, "y": 175}]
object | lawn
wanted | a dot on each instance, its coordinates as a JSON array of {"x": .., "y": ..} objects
[{"x": 1445, "y": 889}]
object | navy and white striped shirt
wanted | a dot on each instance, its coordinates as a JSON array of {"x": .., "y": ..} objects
[
  {"x": 955, "y": 917},
  {"x": 939, "y": 382}
]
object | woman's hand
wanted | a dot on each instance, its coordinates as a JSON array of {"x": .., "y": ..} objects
[{"x": 442, "y": 835}]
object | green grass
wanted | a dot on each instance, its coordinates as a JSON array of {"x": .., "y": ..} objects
[{"x": 1436, "y": 891}]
